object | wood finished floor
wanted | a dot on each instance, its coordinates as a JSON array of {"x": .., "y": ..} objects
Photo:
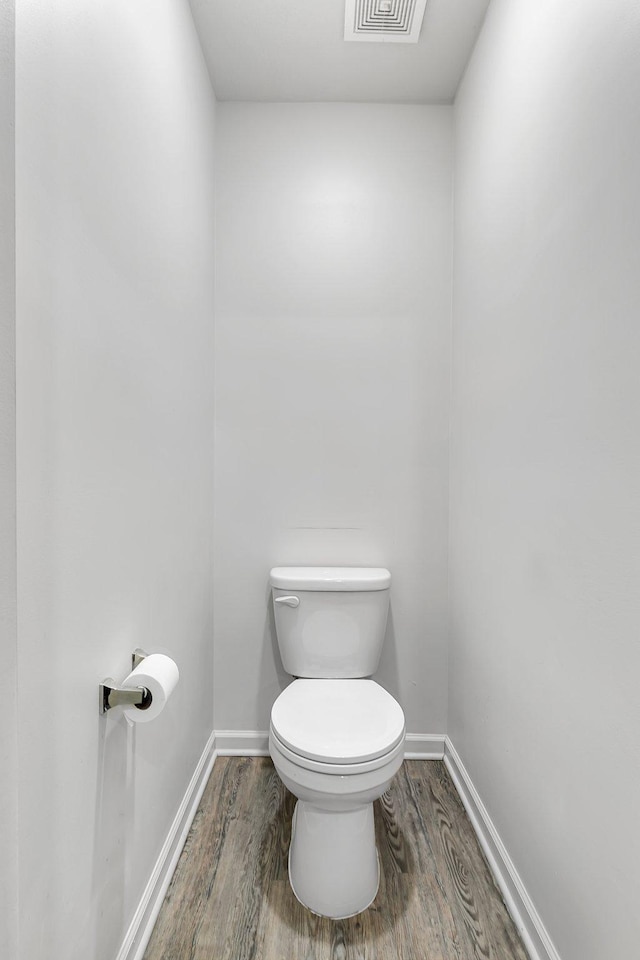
[{"x": 230, "y": 898}]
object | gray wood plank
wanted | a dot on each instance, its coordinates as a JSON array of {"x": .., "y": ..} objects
[{"x": 230, "y": 898}]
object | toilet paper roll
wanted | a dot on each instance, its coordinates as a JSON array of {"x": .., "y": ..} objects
[{"x": 159, "y": 674}]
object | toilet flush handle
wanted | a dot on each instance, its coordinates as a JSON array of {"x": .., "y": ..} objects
[{"x": 290, "y": 601}]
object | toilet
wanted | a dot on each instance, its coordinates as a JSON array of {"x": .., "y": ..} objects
[{"x": 336, "y": 737}]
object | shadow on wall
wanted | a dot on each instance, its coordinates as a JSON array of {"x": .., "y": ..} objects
[
  {"x": 271, "y": 661},
  {"x": 114, "y": 806},
  {"x": 388, "y": 675}
]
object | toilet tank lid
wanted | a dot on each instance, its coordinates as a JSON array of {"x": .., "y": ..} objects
[{"x": 330, "y": 579}]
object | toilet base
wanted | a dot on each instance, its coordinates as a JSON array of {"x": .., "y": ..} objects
[{"x": 333, "y": 861}]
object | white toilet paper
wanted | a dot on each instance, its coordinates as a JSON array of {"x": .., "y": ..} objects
[{"x": 159, "y": 674}]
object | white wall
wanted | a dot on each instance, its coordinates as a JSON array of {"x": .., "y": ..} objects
[
  {"x": 332, "y": 373},
  {"x": 545, "y": 659},
  {"x": 114, "y": 376},
  {"x": 8, "y": 636}
]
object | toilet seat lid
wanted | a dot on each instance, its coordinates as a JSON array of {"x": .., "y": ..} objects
[{"x": 338, "y": 721}]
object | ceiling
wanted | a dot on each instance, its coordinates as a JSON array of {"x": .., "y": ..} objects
[{"x": 293, "y": 50}]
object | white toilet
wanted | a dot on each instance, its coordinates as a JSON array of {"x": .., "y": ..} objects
[{"x": 336, "y": 738}]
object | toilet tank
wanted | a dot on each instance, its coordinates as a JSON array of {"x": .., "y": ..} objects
[{"x": 330, "y": 621}]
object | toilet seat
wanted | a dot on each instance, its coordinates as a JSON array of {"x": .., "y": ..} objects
[
  {"x": 344, "y": 724},
  {"x": 341, "y": 770}
]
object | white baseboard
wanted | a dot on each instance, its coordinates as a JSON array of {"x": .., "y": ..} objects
[
  {"x": 137, "y": 937},
  {"x": 242, "y": 743},
  {"x": 520, "y": 905},
  {"x": 255, "y": 743},
  {"x": 424, "y": 746}
]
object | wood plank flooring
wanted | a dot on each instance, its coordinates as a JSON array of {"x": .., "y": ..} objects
[{"x": 230, "y": 897}]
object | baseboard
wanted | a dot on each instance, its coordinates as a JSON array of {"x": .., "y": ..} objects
[
  {"x": 255, "y": 743},
  {"x": 424, "y": 746},
  {"x": 242, "y": 743},
  {"x": 520, "y": 905},
  {"x": 137, "y": 937}
]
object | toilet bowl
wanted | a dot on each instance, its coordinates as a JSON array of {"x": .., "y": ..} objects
[
  {"x": 336, "y": 736},
  {"x": 336, "y": 745}
]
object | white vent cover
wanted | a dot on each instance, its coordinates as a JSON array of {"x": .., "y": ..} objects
[{"x": 388, "y": 21}]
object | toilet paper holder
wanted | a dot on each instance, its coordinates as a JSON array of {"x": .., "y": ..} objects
[{"x": 111, "y": 695}]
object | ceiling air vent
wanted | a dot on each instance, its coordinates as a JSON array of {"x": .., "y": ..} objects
[{"x": 388, "y": 21}]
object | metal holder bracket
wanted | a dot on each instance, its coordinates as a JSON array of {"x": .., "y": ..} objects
[
  {"x": 137, "y": 657},
  {"x": 111, "y": 695}
]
